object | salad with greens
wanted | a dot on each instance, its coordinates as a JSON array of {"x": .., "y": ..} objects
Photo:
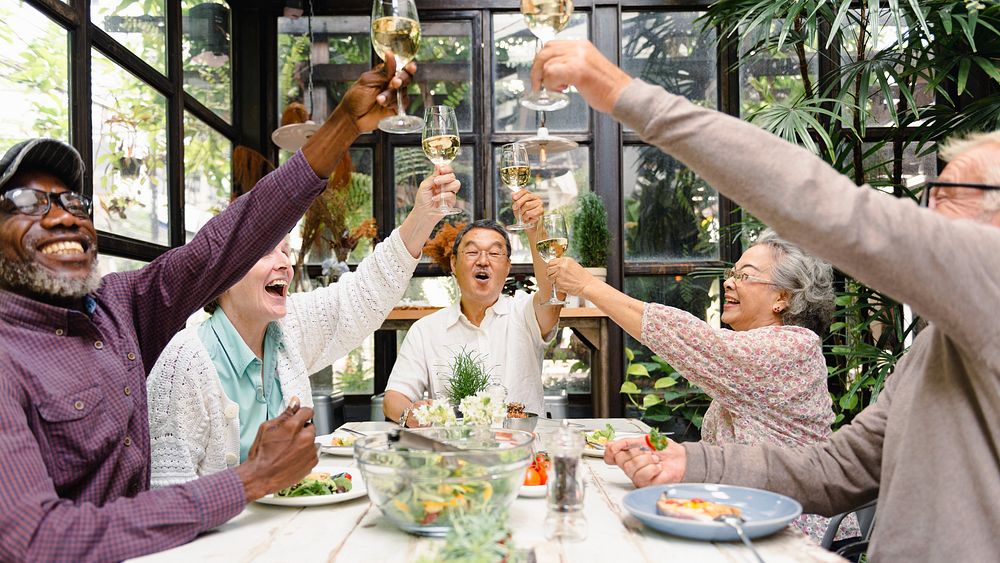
[
  {"x": 317, "y": 484},
  {"x": 600, "y": 438}
]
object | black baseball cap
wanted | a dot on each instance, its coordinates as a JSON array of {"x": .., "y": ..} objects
[{"x": 46, "y": 155}]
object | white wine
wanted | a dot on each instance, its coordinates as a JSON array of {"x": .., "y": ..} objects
[
  {"x": 400, "y": 35},
  {"x": 552, "y": 248},
  {"x": 546, "y": 18},
  {"x": 441, "y": 149},
  {"x": 515, "y": 177}
]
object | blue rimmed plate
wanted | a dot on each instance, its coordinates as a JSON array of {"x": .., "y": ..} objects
[{"x": 765, "y": 512}]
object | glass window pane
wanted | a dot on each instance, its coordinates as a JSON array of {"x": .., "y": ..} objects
[
  {"x": 34, "y": 76},
  {"x": 349, "y": 208},
  {"x": 205, "y": 46},
  {"x": 566, "y": 365},
  {"x": 130, "y": 154},
  {"x": 514, "y": 50},
  {"x": 433, "y": 291},
  {"x": 769, "y": 76},
  {"x": 340, "y": 52},
  {"x": 670, "y": 213},
  {"x": 107, "y": 264},
  {"x": 354, "y": 374},
  {"x": 411, "y": 167},
  {"x": 558, "y": 181},
  {"x": 139, "y": 26},
  {"x": 668, "y": 49},
  {"x": 445, "y": 70},
  {"x": 207, "y": 173},
  {"x": 700, "y": 297},
  {"x": 915, "y": 170}
]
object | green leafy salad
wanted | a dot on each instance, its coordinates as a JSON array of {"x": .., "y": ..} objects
[
  {"x": 600, "y": 438},
  {"x": 317, "y": 484}
]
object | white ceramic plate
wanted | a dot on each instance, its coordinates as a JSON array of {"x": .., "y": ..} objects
[
  {"x": 595, "y": 451},
  {"x": 326, "y": 448},
  {"x": 532, "y": 491},
  {"x": 358, "y": 490}
]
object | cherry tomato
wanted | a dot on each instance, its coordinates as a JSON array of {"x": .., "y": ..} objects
[
  {"x": 532, "y": 477},
  {"x": 348, "y": 475}
]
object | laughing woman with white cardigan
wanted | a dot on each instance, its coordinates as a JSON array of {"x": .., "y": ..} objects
[{"x": 214, "y": 384}]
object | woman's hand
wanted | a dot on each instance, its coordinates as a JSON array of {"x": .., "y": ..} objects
[
  {"x": 442, "y": 183},
  {"x": 569, "y": 276},
  {"x": 564, "y": 63},
  {"x": 644, "y": 466},
  {"x": 529, "y": 206}
]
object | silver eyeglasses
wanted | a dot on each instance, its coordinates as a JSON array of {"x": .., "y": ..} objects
[
  {"x": 491, "y": 255},
  {"x": 743, "y": 277}
]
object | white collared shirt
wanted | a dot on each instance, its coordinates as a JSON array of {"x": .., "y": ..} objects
[{"x": 509, "y": 337}]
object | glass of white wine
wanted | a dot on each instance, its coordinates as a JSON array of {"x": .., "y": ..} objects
[
  {"x": 395, "y": 28},
  {"x": 441, "y": 142},
  {"x": 515, "y": 174},
  {"x": 552, "y": 243},
  {"x": 545, "y": 19}
]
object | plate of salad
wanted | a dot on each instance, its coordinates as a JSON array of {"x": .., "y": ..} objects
[
  {"x": 329, "y": 486},
  {"x": 338, "y": 443},
  {"x": 597, "y": 439}
]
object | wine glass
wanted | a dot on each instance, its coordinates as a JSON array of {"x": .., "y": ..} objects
[
  {"x": 395, "y": 28},
  {"x": 545, "y": 19},
  {"x": 514, "y": 173},
  {"x": 441, "y": 142},
  {"x": 554, "y": 238}
]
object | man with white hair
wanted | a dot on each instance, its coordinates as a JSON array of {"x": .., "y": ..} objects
[{"x": 929, "y": 447}]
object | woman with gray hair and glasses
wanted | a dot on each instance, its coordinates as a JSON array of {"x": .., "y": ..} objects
[{"x": 766, "y": 376}]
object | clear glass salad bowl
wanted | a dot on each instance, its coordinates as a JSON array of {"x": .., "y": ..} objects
[{"x": 420, "y": 490}]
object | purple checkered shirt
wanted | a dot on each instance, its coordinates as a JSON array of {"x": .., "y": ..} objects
[{"x": 74, "y": 432}]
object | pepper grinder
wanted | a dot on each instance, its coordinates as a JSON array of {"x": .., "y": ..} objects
[{"x": 565, "y": 519}]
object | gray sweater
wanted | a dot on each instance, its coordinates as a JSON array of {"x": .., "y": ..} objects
[{"x": 929, "y": 448}]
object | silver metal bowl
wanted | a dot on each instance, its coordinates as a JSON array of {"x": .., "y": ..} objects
[{"x": 526, "y": 424}]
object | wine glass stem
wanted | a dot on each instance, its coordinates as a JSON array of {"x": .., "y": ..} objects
[
  {"x": 554, "y": 296},
  {"x": 399, "y": 103}
]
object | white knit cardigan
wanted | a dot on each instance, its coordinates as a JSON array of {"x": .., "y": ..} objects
[{"x": 195, "y": 428}]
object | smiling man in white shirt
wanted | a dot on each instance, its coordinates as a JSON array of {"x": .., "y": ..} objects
[{"x": 511, "y": 333}]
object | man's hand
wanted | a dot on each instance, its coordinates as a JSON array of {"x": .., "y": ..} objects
[
  {"x": 644, "y": 466},
  {"x": 561, "y": 64},
  {"x": 530, "y": 208},
  {"x": 282, "y": 453},
  {"x": 373, "y": 96},
  {"x": 411, "y": 421},
  {"x": 569, "y": 275}
]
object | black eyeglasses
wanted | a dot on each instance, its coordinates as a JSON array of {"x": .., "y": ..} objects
[
  {"x": 30, "y": 201},
  {"x": 925, "y": 196}
]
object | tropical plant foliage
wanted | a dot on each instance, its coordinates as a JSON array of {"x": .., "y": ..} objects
[{"x": 922, "y": 71}]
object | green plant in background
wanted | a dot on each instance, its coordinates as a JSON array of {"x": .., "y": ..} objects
[
  {"x": 660, "y": 392},
  {"x": 590, "y": 231},
  {"x": 356, "y": 377},
  {"x": 467, "y": 376},
  {"x": 930, "y": 62},
  {"x": 518, "y": 282}
]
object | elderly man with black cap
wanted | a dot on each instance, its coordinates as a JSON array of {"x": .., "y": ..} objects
[{"x": 75, "y": 351}]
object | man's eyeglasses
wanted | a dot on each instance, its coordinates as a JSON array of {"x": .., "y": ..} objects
[
  {"x": 925, "y": 196},
  {"x": 743, "y": 277},
  {"x": 30, "y": 201},
  {"x": 491, "y": 255}
]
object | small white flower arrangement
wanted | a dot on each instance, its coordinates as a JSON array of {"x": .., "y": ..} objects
[
  {"x": 438, "y": 413},
  {"x": 485, "y": 408},
  {"x": 482, "y": 409}
]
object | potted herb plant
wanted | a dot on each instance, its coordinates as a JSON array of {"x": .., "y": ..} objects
[
  {"x": 467, "y": 376},
  {"x": 590, "y": 234}
]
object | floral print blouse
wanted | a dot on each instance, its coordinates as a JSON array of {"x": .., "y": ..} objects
[{"x": 768, "y": 385}]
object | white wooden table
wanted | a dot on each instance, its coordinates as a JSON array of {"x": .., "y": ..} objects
[{"x": 355, "y": 531}]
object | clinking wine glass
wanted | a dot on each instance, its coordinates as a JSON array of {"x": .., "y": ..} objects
[
  {"x": 545, "y": 19},
  {"x": 441, "y": 142},
  {"x": 395, "y": 28},
  {"x": 515, "y": 174},
  {"x": 552, "y": 243}
]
